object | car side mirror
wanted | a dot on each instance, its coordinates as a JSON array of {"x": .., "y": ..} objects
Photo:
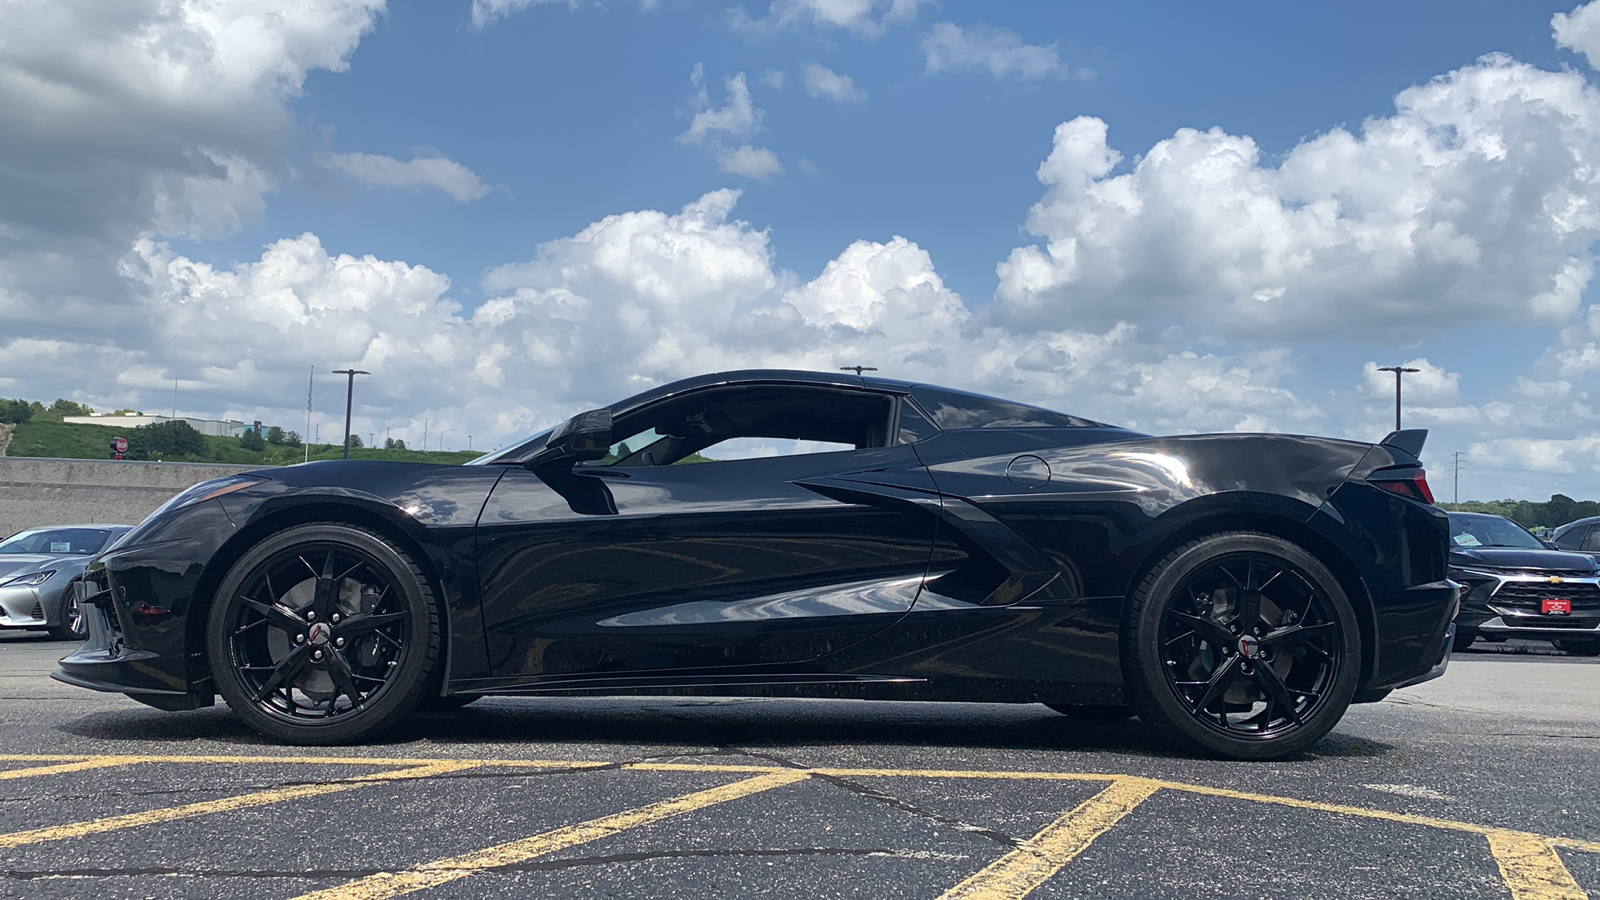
[{"x": 586, "y": 435}]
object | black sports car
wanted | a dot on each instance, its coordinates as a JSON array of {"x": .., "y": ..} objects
[
  {"x": 837, "y": 536},
  {"x": 1515, "y": 585}
]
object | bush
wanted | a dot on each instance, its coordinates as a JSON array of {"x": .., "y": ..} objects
[
  {"x": 166, "y": 440},
  {"x": 250, "y": 439},
  {"x": 15, "y": 411}
]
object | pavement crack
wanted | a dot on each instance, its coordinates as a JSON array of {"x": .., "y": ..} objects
[{"x": 889, "y": 800}]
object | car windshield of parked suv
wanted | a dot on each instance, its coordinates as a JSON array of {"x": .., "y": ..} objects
[
  {"x": 1468, "y": 530},
  {"x": 74, "y": 541}
]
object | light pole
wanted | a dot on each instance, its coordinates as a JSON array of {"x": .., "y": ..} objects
[
  {"x": 441, "y": 438},
  {"x": 1398, "y": 372},
  {"x": 858, "y": 369},
  {"x": 349, "y": 397}
]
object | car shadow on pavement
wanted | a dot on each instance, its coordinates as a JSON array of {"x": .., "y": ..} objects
[{"x": 697, "y": 725}]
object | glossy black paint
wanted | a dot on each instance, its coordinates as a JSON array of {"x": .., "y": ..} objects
[{"x": 969, "y": 563}]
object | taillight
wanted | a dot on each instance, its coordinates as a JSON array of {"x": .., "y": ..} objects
[{"x": 1410, "y": 482}]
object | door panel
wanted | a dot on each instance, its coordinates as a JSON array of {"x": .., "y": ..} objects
[{"x": 623, "y": 570}]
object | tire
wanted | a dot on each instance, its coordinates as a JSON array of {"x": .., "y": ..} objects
[
  {"x": 433, "y": 703},
  {"x": 323, "y": 634},
  {"x": 1579, "y": 647},
  {"x": 1111, "y": 712},
  {"x": 1464, "y": 639},
  {"x": 73, "y": 626},
  {"x": 1242, "y": 645}
]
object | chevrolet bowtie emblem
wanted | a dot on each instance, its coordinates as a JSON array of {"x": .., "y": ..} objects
[{"x": 1555, "y": 579}]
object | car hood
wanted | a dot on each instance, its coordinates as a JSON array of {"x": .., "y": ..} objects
[
  {"x": 1520, "y": 558},
  {"x": 23, "y": 563}
]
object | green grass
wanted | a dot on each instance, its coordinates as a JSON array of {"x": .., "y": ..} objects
[{"x": 62, "y": 441}]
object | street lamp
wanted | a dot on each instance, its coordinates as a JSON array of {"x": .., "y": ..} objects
[
  {"x": 858, "y": 369},
  {"x": 349, "y": 396},
  {"x": 1398, "y": 372},
  {"x": 441, "y": 438}
]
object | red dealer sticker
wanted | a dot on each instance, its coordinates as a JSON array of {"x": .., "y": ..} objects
[{"x": 1555, "y": 606}]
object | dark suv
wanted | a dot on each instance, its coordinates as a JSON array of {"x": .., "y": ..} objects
[{"x": 1515, "y": 585}]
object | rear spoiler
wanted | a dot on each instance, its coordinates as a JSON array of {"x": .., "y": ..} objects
[{"x": 1409, "y": 440}]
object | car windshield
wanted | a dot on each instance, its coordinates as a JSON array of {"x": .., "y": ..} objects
[
  {"x": 65, "y": 541},
  {"x": 1468, "y": 531}
]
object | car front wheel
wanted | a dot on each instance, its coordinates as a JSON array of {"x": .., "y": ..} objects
[
  {"x": 322, "y": 634},
  {"x": 1579, "y": 647},
  {"x": 1241, "y": 644}
]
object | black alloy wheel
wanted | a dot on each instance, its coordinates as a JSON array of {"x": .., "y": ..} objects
[
  {"x": 323, "y": 633},
  {"x": 73, "y": 626},
  {"x": 1243, "y": 644}
]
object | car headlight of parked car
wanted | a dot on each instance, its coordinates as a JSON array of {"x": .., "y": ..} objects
[{"x": 31, "y": 579}]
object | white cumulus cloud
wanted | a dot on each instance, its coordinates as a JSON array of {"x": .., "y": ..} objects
[
  {"x": 1000, "y": 51},
  {"x": 1474, "y": 201},
  {"x": 751, "y": 162},
  {"x": 736, "y": 118},
  {"x": 1579, "y": 31},
  {"x": 487, "y": 12},
  {"x": 864, "y": 18},
  {"x": 423, "y": 171},
  {"x": 822, "y": 81}
]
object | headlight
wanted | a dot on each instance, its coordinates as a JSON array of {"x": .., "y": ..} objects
[
  {"x": 207, "y": 490},
  {"x": 29, "y": 580},
  {"x": 1476, "y": 573}
]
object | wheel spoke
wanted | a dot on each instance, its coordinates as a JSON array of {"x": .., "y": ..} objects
[
  {"x": 1211, "y": 630},
  {"x": 326, "y": 595},
  {"x": 1294, "y": 634},
  {"x": 281, "y": 617},
  {"x": 356, "y": 625},
  {"x": 1249, "y": 602},
  {"x": 1277, "y": 692},
  {"x": 1218, "y": 684},
  {"x": 291, "y": 665},
  {"x": 343, "y": 678}
]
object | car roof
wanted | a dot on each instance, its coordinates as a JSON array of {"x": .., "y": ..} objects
[{"x": 1576, "y": 523}]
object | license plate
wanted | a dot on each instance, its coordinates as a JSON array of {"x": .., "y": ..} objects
[{"x": 1555, "y": 606}]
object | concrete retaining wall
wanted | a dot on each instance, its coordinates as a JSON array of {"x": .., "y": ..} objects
[{"x": 36, "y": 492}]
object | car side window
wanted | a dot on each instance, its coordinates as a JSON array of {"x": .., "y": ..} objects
[
  {"x": 750, "y": 421},
  {"x": 1572, "y": 538},
  {"x": 958, "y": 409},
  {"x": 1591, "y": 541}
]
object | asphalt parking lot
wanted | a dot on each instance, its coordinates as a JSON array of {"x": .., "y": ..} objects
[{"x": 1480, "y": 784}]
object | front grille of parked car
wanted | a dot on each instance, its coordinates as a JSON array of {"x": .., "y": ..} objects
[{"x": 1585, "y": 596}]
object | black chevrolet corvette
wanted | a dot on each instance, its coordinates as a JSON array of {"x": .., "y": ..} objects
[{"x": 799, "y": 534}]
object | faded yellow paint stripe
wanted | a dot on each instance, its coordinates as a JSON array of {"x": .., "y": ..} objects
[
  {"x": 319, "y": 760},
  {"x": 394, "y": 884},
  {"x": 93, "y": 762},
  {"x": 1531, "y": 868},
  {"x": 1020, "y": 872},
  {"x": 226, "y": 804}
]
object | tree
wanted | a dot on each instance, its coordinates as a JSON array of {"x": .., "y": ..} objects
[
  {"x": 250, "y": 439},
  {"x": 276, "y": 436},
  {"x": 394, "y": 444},
  {"x": 355, "y": 441},
  {"x": 63, "y": 407},
  {"x": 15, "y": 411},
  {"x": 290, "y": 438},
  {"x": 166, "y": 440}
]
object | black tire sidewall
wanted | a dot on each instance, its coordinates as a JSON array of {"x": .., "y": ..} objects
[
  {"x": 406, "y": 687},
  {"x": 1144, "y": 666}
]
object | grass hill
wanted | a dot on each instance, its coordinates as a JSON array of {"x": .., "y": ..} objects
[{"x": 42, "y": 437}]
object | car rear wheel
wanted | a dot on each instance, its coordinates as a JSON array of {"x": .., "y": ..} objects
[
  {"x": 1464, "y": 638},
  {"x": 322, "y": 634},
  {"x": 1241, "y": 644},
  {"x": 1099, "y": 712},
  {"x": 1579, "y": 647}
]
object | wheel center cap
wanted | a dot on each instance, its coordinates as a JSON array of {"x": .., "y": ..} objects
[
  {"x": 1249, "y": 647},
  {"x": 320, "y": 633}
]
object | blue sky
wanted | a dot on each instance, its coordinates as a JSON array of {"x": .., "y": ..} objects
[{"x": 510, "y": 211}]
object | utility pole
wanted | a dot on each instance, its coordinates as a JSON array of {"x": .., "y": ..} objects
[
  {"x": 1398, "y": 371},
  {"x": 858, "y": 369},
  {"x": 1457, "y": 460},
  {"x": 310, "y": 381},
  {"x": 349, "y": 399},
  {"x": 424, "y": 434}
]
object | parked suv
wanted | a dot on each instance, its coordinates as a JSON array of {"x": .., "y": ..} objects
[{"x": 1515, "y": 585}]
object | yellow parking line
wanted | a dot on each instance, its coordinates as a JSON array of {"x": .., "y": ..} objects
[
  {"x": 394, "y": 884},
  {"x": 227, "y": 804},
  {"x": 1020, "y": 872},
  {"x": 1531, "y": 868},
  {"x": 93, "y": 762}
]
